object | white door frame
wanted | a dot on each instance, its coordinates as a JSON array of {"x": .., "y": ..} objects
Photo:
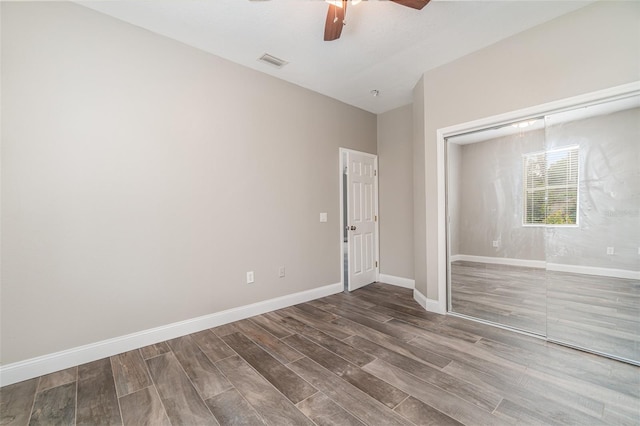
[{"x": 342, "y": 165}]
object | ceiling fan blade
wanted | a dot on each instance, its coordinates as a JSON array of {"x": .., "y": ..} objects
[
  {"x": 335, "y": 21},
  {"x": 416, "y": 4}
]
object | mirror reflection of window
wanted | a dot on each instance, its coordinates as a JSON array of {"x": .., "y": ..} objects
[{"x": 550, "y": 190}]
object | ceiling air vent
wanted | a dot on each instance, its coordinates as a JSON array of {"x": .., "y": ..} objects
[{"x": 272, "y": 60}]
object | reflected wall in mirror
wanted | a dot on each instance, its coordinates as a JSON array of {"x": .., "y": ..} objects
[
  {"x": 594, "y": 269},
  {"x": 497, "y": 264},
  {"x": 544, "y": 226}
]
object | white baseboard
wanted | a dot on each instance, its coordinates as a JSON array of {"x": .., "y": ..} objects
[
  {"x": 420, "y": 298},
  {"x": 559, "y": 267},
  {"x": 34, "y": 367},
  {"x": 397, "y": 281},
  {"x": 593, "y": 270},
  {"x": 430, "y": 305},
  {"x": 500, "y": 261}
]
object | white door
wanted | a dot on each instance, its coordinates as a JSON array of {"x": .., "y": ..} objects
[{"x": 362, "y": 210}]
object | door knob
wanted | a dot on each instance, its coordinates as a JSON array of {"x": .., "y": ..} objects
[{"x": 353, "y": 228}]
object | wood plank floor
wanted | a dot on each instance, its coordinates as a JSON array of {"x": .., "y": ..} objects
[
  {"x": 371, "y": 357},
  {"x": 594, "y": 312}
]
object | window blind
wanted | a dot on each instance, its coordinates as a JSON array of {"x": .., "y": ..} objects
[{"x": 550, "y": 181}]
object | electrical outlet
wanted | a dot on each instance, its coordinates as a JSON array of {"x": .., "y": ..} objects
[
  {"x": 609, "y": 250},
  {"x": 495, "y": 243},
  {"x": 250, "y": 277},
  {"x": 281, "y": 272}
]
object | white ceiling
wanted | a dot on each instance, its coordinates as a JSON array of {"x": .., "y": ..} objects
[{"x": 384, "y": 46}]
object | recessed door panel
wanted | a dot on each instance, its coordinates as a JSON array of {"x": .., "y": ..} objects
[{"x": 356, "y": 202}]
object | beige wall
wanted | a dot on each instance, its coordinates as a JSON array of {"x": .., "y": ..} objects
[
  {"x": 419, "y": 201},
  {"x": 142, "y": 178},
  {"x": 591, "y": 49},
  {"x": 395, "y": 151}
]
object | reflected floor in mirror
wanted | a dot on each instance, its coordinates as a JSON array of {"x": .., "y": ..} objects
[
  {"x": 370, "y": 357},
  {"x": 598, "y": 313}
]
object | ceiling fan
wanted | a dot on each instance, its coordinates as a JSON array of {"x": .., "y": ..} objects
[{"x": 338, "y": 9}]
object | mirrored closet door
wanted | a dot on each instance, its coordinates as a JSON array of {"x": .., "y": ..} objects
[{"x": 544, "y": 226}]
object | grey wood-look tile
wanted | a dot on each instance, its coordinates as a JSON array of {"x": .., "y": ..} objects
[
  {"x": 225, "y": 329},
  {"x": 58, "y": 378},
  {"x": 95, "y": 369},
  {"x": 482, "y": 396},
  {"x": 209, "y": 381},
  {"x": 443, "y": 401},
  {"x": 385, "y": 295},
  {"x": 327, "y": 327},
  {"x": 286, "y": 381},
  {"x": 452, "y": 369},
  {"x": 318, "y": 303},
  {"x": 613, "y": 416},
  {"x": 402, "y": 292},
  {"x": 589, "y": 368},
  {"x": 393, "y": 330},
  {"x": 421, "y": 414},
  {"x": 271, "y": 325},
  {"x": 143, "y": 407},
  {"x": 408, "y": 318},
  {"x": 412, "y": 309},
  {"x": 16, "y": 401},
  {"x": 324, "y": 412},
  {"x": 130, "y": 372},
  {"x": 429, "y": 324},
  {"x": 273, "y": 407},
  {"x": 230, "y": 408},
  {"x": 526, "y": 393},
  {"x": 315, "y": 312},
  {"x": 212, "y": 346},
  {"x": 452, "y": 332},
  {"x": 608, "y": 391},
  {"x": 497, "y": 334},
  {"x": 466, "y": 354},
  {"x": 55, "y": 406},
  {"x": 367, "y": 409},
  {"x": 97, "y": 402},
  {"x": 374, "y": 387},
  {"x": 537, "y": 413},
  {"x": 517, "y": 354},
  {"x": 421, "y": 354},
  {"x": 336, "y": 301},
  {"x": 549, "y": 390},
  {"x": 508, "y": 413},
  {"x": 613, "y": 399},
  {"x": 336, "y": 346},
  {"x": 154, "y": 350},
  {"x": 351, "y": 298},
  {"x": 279, "y": 350},
  {"x": 180, "y": 399}
]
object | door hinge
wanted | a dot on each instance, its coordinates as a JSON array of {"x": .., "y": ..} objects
[
  {"x": 375, "y": 173},
  {"x": 376, "y": 263},
  {"x": 375, "y": 218}
]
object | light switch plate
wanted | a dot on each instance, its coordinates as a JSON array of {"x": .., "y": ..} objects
[{"x": 323, "y": 217}]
